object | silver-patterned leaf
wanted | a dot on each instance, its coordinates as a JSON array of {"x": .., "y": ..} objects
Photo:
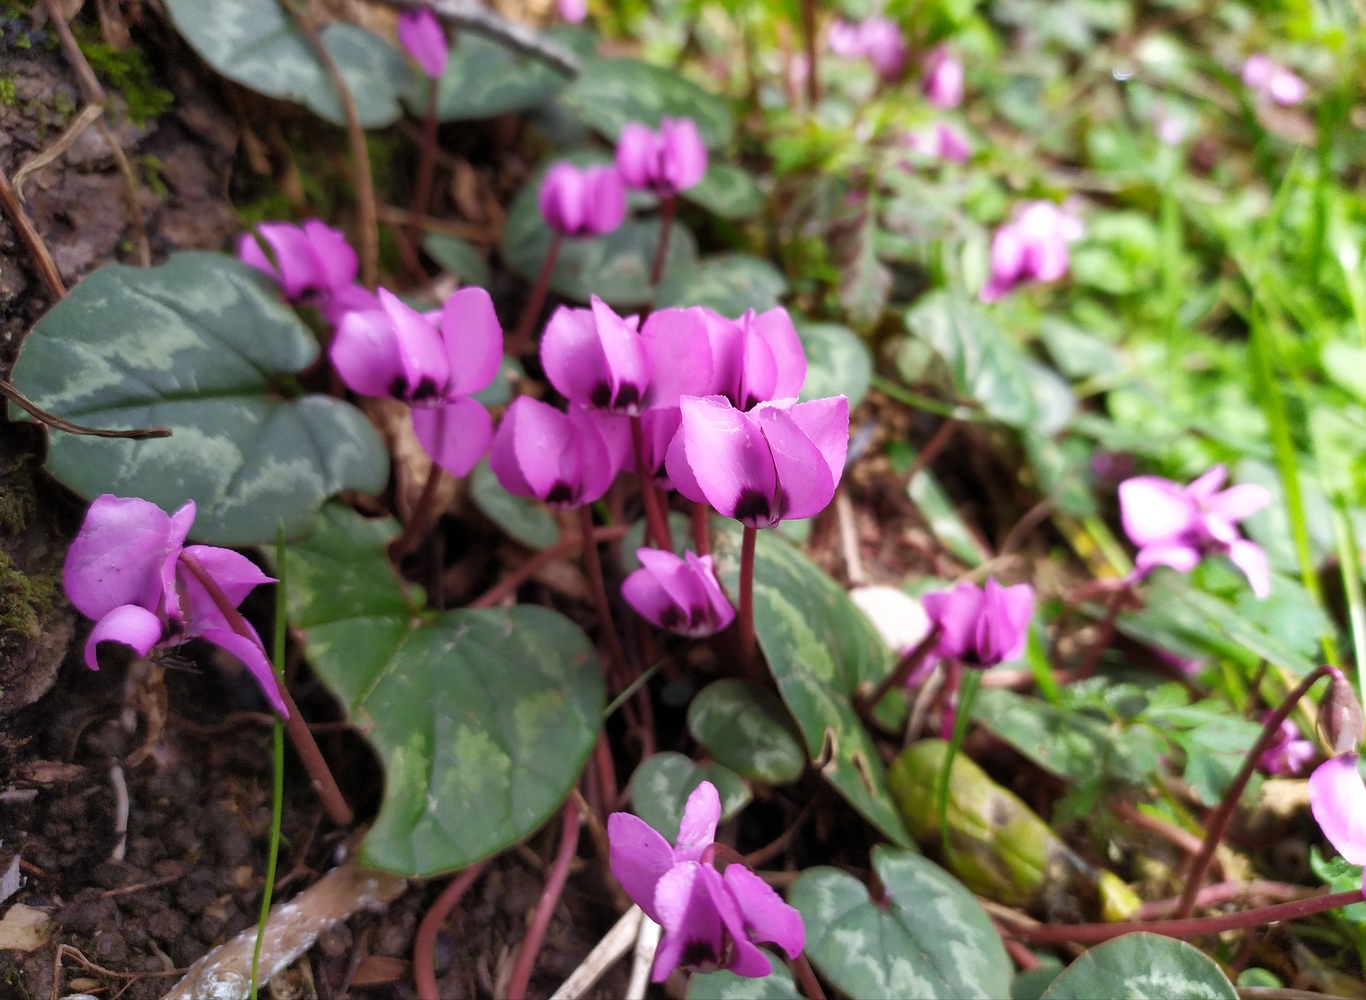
[
  {"x": 662, "y": 783},
  {"x": 611, "y": 92},
  {"x": 1142, "y": 967}
]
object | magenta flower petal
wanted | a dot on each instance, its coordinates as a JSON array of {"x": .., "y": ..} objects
[
  {"x": 249, "y": 252},
  {"x": 805, "y": 485},
  {"x": 767, "y": 917},
  {"x": 573, "y": 11},
  {"x": 596, "y": 358},
  {"x": 1003, "y": 626},
  {"x": 562, "y": 199},
  {"x": 422, "y": 350},
  {"x": 1337, "y": 797},
  {"x": 421, "y": 34},
  {"x": 1286, "y": 88},
  {"x": 684, "y": 154},
  {"x": 884, "y": 46},
  {"x": 473, "y": 340},
  {"x": 366, "y": 354},
  {"x": 562, "y": 458},
  {"x": 757, "y": 368},
  {"x": 1238, "y": 502},
  {"x": 300, "y": 269},
  {"x": 943, "y": 79},
  {"x": 337, "y": 260},
  {"x": 1154, "y": 510},
  {"x": 1182, "y": 558},
  {"x": 845, "y": 40},
  {"x": 697, "y": 830},
  {"x": 119, "y": 556},
  {"x": 658, "y": 429},
  {"x": 639, "y": 857},
  {"x": 130, "y": 624},
  {"x": 1251, "y": 559},
  {"x": 253, "y": 657},
  {"x": 826, "y": 422},
  {"x": 1206, "y": 485},
  {"x": 352, "y": 298},
  {"x": 955, "y": 612},
  {"x": 637, "y": 153},
  {"x": 606, "y": 209},
  {"x": 236, "y": 575},
  {"x": 774, "y": 327},
  {"x": 727, "y": 459},
  {"x": 455, "y": 435},
  {"x": 1257, "y": 70},
  {"x": 680, "y": 356},
  {"x": 693, "y": 929}
]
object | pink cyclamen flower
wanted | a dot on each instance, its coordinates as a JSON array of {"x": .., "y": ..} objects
[
  {"x": 711, "y": 920},
  {"x": 421, "y": 34},
  {"x": 940, "y": 142},
  {"x": 573, "y": 11},
  {"x": 1288, "y": 754},
  {"x": 582, "y": 202},
  {"x": 877, "y": 39},
  {"x": 1031, "y": 247},
  {"x": 564, "y": 459},
  {"x": 593, "y": 357},
  {"x": 124, "y": 570},
  {"x": 780, "y": 460},
  {"x": 433, "y": 362},
  {"x": 943, "y": 79},
  {"x": 665, "y": 162},
  {"x": 981, "y": 627},
  {"x": 314, "y": 265},
  {"x": 1273, "y": 81},
  {"x": 658, "y": 427},
  {"x": 678, "y": 595},
  {"x": 1337, "y": 798},
  {"x": 698, "y": 352},
  {"x": 1176, "y": 526}
]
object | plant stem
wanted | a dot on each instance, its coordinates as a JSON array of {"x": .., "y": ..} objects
[
  {"x": 813, "y": 86},
  {"x": 593, "y": 565},
  {"x": 520, "y": 341},
  {"x": 37, "y": 249},
  {"x": 426, "y": 166},
  {"x": 654, "y": 517},
  {"x": 1219, "y": 819},
  {"x": 1104, "y": 634},
  {"x": 565, "y": 546},
  {"x": 950, "y": 711},
  {"x": 413, "y": 531},
  {"x": 424, "y": 946},
  {"x": 910, "y": 660},
  {"x": 807, "y": 977},
  {"x": 333, "y": 801},
  {"x": 667, "y": 205},
  {"x": 964, "y": 688},
  {"x": 747, "y": 603},
  {"x": 701, "y": 531},
  {"x": 1185, "y": 928},
  {"x": 545, "y": 908}
]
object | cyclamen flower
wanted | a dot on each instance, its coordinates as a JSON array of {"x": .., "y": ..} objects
[
  {"x": 943, "y": 79},
  {"x": 981, "y": 627},
  {"x": 564, "y": 459},
  {"x": 1288, "y": 754},
  {"x": 573, "y": 11},
  {"x": 711, "y": 920},
  {"x": 421, "y": 34},
  {"x": 596, "y": 358},
  {"x": 1031, "y": 247},
  {"x": 1272, "y": 81},
  {"x": 124, "y": 570},
  {"x": 1337, "y": 798},
  {"x": 658, "y": 428},
  {"x": 665, "y": 162},
  {"x": 678, "y": 595},
  {"x": 1177, "y": 526},
  {"x": 781, "y": 460},
  {"x": 877, "y": 39},
  {"x": 587, "y": 202},
  {"x": 314, "y": 265},
  {"x": 940, "y": 142},
  {"x": 434, "y": 363}
]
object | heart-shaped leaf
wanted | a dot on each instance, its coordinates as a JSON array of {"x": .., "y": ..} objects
[
  {"x": 726, "y": 985},
  {"x": 820, "y": 648},
  {"x": 930, "y": 939},
  {"x": 196, "y": 344},
  {"x": 524, "y": 520},
  {"x": 747, "y": 729},
  {"x": 458, "y": 257},
  {"x": 615, "y": 267},
  {"x": 484, "y": 78},
  {"x": 728, "y": 191},
  {"x": 662, "y": 783},
  {"x": 255, "y": 43},
  {"x": 837, "y": 362},
  {"x": 611, "y": 92},
  {"x": 1142, "y": 967},
  {"x": 483, "y": 719},
  {"x": 730, "y": 283}
]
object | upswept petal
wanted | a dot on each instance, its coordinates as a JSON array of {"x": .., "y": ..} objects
[
  {"x": 606, "y": 205},
  {"x": 249, "y": 252},
  {"x": 1154, "y": 509},
  {"x": 767, "y": 917},
  {"x": 642, "y": 591},
  {"x": 253, "y": 657},
  {"x": 1182, "y": 558},
  {"x": 639, "y": 857},
  {"x": 365, "y": 352},
  {"x": 744, "y": 958},
  {"x": 826, "y": 422},
  {"x": 236, "y": 575},
  {"x": 296, "y": 260},
  {"x": 697, "y": 830},
  {"x": 659, "y": 428},
  {"x": 573, "y": 11},
  {"x": 336, "y": 259},
  {"x": 597, "y": 461},
  {"x": 1337, "y": 797},
  {"x": 534, "y": 451},
  {"x": 118, "y": 556},
  {"x": 562, "y": 198},
  {"x": 455, "y": 435},
  {"x": 1003, "y": 626},
  {"x": 628, "y": 366},
  {"x": 421, "y": 349},
  {"x": 757, "y": 368},
  {"x": 637, "y": 154},
  {"x": 722, "y": 611},
  {"x": 727, "y": 340},
  {"x": 1207, "y": 484},
  {"x": 728, "y": 460},
  {"x": 1251, "y": 559},
  {"x": 955, "y": 612},
  {"x": 677, "y": 579},
  {"x": 680, "y": 359},
  {"x": 692, "y": 923},
  {"x": 421, "y": 34},
  {"x": 473, "y": 339},
  {"x": 805, "y": 485},
  {"x": 573, "y": 357},
  {"x": 181, "y": 523},
  {"x": 130, "y": 624},
  {"x": 1238, "y": 502},
  {"x": 684, "y": 154},
  {"x": 352, "y": 298}
]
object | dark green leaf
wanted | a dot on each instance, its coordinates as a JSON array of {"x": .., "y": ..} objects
[
  {"x": 837, "y": 362},
  {"x": 725, "y": 985},
  {"x": 728, "y": 191},
  {"x": 662, "y": 783},
  {"x": 458, "y": 257},
  {"x": 611, "y": 92},
  {"x": 1142, "y": 967},
  {"x": 525, "y": 520},
  {"x": 729, "y": 283},
  {"x": 748, "y": 730}
]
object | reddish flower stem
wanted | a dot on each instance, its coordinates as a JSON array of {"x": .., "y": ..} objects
[
  {"x": 701, "y": 537},
  {"x": 807, "y": 977},
  {"x": 535, "y": 934},
  {"x": 667, "y": 205},
  {"x": 1218, "y": 820},
  {"x": 1188, "y": 928},
  {"x": 565, "y": 546},
  {"x": 520, "y": 342},
  {"x": 593, "y": 564},
  {"x": 950, "y": 711},
  {"x": 813, "y": 84},
  {"x": 333, "y": 801},
  {"x": 1103, "y": 635},
  {"x": 607, "y": 773},
  {"x": 910, "y": 660},
  {"x": 654, "y": 517},
  {"x": 426, "y": 167},
  {"x": 747, "y": 603},
  {"x": 424, "y": 945},
  {"x": 413, "y": 530}
]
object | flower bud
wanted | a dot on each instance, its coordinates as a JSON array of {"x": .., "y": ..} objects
[{"x": 1339, "y": 722}]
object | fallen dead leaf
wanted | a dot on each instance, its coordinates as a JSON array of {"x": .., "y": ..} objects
[
  {"x": 377, "y": 970},
  {"x": 24, "y": 929},
  {"x": 47, "y": 772}
]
